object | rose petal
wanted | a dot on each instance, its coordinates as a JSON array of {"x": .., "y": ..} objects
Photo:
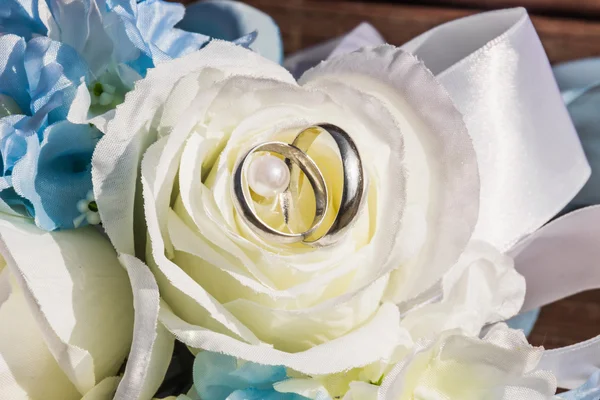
[
  {"x": 73, "y": 284},
  {"x": 429, "y": 121},
  {"x": 119, "y": 153},
  {"x": 330, "y": 357},
  {"x": 152, "y": 345},
  {"x": 27, "y": 368}
]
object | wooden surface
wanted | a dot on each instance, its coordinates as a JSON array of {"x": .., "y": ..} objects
[
  {"x": 307, "y": 22},
  {"x": 569, "y": 29},
  {"x": 579, "y": 9}
]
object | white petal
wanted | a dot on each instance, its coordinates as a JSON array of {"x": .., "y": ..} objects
[
  {"x": 483, "y": 287},
  {"x": 176, "y": 285},
  {"x": 105, "y": 390},
  {"x": 297, "y": 330},
  {"x": 458, "y": 367},
  {"x": 152, "y": 346},
  {"x": 432, "y": 127},
  {"x": 74, "y": 286},
  {"x": 78, "y": 113},
  {"x": 27, "y": 368},
  {"x": 118, "y": 154},
  {"x": 373, "y": 341}
]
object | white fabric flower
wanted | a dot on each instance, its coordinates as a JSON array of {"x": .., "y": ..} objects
[
  {"x": 224, "y": 289},
  {"x": 66, "y": 314},
  {"x": 501, "y": 366}
]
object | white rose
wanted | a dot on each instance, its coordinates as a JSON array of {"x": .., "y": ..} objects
[
  {"x": 481, "y": 288},
  {"x": 66, "y": 314},
  {"x": 501, "y": 366},
  {"x": 314, "y": 310}
]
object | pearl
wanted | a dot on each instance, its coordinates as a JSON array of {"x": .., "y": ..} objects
[{"x": 268, "y": 175}]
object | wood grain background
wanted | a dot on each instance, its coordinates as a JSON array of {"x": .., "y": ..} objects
[
  {"x": 307, "y": 22},
  {"x": 569, "y": 29}
]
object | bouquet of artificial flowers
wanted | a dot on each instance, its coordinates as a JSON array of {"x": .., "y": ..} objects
[{"x": 180, "y": 216}]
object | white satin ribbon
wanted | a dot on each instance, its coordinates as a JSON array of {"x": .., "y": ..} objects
[
  {"x": 559, "y": 260},
  {"x": 530, "y": 157},
  {"x": 531, "y": 162}
]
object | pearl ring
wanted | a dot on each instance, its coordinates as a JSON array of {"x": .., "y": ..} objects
[{"x": 270, "y": 176}]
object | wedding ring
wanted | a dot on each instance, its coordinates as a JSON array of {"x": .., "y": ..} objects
[
  {"x": 242, "y": 197},
  {"x": 297, "y": 160}
]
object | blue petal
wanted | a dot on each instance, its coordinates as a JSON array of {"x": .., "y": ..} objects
[
  {"x": 579, "y": 82},
  {"x": 16, "y": 202},
  {"x": 260, "y": 376},
  {"x": 56, "y": 174},
  {"x": 53, "y": 67},
  {"x": 129, "y": 6},
  {"x": 524, "y": 322},
  {"x": 131, "y": 47},
  {"x": 588, "y": 391},
  {"x": 21, "y": 18},
  {"x": 120, "y": 25},
  {"x": 217, "y": 376},
  {"x": 156, "y": 21},
  {"x": 13, "y": 79},
  {"x": 13, "y": 144},
  {"x": 211, "y": 373},
  {"x": 15, "y": 129},
  {"x": 81, "y": 27},
  {"x": 257, "y": 394},
  {"x": 230, "y": 20}
]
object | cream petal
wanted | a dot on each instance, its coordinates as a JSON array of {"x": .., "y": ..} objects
[
  {"x": 186, "y": 240},
  {"x": 74, "y": 285},
  {"x": 27, "y": 368},
  {"x": 5, "y": 289},
  {"x": 434, "y": 123},
  {"x": 119, "y": 153},
  {"x": 160, "y": 172},
  {"x": 105, "y": 390},
  {"x": 373, "y": 341},
  {"x": 175, "y": 284},
  {"x": 198, "y": 200},
  {"x": 483, "y": 287},
  {"x": 152, "y": 345},
  {"x": 361, "y": 391},
  {"x": 459, "y": 367},
  {"x": 299, "y": 330},
  {"x": 309, "y": 388}
]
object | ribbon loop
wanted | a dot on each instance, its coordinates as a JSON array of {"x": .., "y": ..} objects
[{"x": 530, "y": 157}]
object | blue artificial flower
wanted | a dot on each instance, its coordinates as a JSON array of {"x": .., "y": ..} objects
[
  {"x": 64, "y": 67},
  {"x": 221, "y": 377},
  {"x": 590, "y": 390}
]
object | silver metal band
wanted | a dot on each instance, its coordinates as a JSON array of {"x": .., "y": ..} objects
[{"x": 297, "y": 160}]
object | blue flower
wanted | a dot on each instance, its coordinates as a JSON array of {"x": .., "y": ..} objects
[
  {"x": 590, "y": 390},
  {"x": 221, "y": 377},
  {"x": 64, "y": 67},
  {"x": 45, "y": 159}
]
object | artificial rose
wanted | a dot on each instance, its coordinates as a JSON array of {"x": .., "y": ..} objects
[
  {"x": 66, "y": 313},
  {"x": 501, "y": 366},
  {"x": 178, "y": 137}
]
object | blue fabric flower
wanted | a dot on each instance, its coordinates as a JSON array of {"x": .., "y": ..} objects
[
  {"x": 579, "y": 83},
  {"x": 588, "y": 391},
  {"x": 64, "y": 67},
  {"x": 221, "y": 377}
]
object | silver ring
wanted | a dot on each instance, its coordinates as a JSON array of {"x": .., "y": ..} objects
[
  {"x": 297, "y": 160},
  {"x": 307, "y": 165}
]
